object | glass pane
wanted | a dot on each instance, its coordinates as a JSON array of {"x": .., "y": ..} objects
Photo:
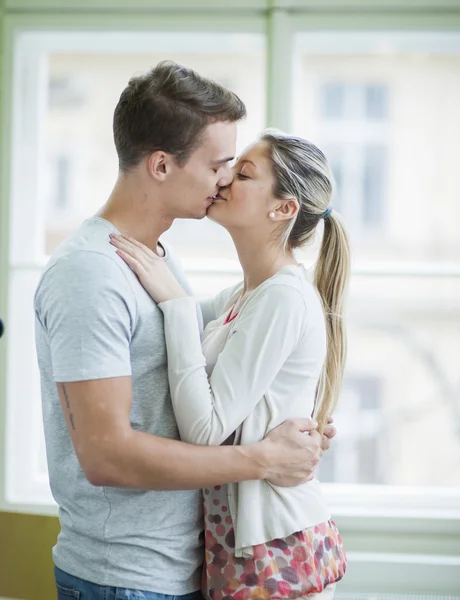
[
  {"x": 83, "y": 89},
  {"x": 401, "y": 394},
  {"x": 397, "y": 96},
  {"x": 333, "y": 101},
  {"x": 393, "y": 153},
  {"x": 375, "y": 160},
  {"x": 74, "y": 168},
  {"x": 26, "y": 466},
  {"x": 335, "y": 155},
  {"x": 376, "y": 101}
]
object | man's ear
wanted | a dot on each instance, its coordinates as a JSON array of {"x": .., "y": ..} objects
[{"x": 159, "y": 165}]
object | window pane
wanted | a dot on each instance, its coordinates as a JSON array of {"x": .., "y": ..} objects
[
  {"x": 401, "y": 393},
  {"x": 26, "y": 467},
  {"x": 335, "y": 156},
  {"x": 393, "y": 153},
  {"x": 374, "y": 180},
  {"x": 62, "y": 175},
  {"x": 333, "y": 101},
  {"x": 400, "y": 131},
  {"x": 66, "y": 133},
  {"x": 359, "y": 419},
  {"x": 83, "y": 89},
  {"x": 376, "y": 101}
]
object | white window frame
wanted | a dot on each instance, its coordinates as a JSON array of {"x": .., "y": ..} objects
[{"x": 386, "y": 519}]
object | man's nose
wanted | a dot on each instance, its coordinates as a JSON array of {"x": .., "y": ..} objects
[{"x": 226, "y": 177}]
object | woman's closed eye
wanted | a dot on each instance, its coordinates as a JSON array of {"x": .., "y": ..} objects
[{"x": 241, "y": 176}]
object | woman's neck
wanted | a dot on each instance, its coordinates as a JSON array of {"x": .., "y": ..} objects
[{"x": 259, "y": 259}]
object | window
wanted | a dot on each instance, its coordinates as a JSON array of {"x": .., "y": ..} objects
[
  {"x": 379, "y": 115},
  {"x": 383, "y": 104},
  {"x": 82, "y": 131},
  {"x": 62, "y": 167},
  {"x": 69, "y": 86},
  {"x": 65, "y": 92},
  {"x": 351, "y": 117},
  {"x": 357, "y": 455}
]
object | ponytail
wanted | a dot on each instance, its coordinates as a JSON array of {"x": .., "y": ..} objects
[{"x": 331, "y": 277}]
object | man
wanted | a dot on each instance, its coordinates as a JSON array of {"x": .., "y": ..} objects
[{"x": 126, "y": 487}]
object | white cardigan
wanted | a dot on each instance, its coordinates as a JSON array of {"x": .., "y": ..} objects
[{"x": 266, "y": 373}]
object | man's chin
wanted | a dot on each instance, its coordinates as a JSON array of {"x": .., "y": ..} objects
[
  {"x": 198, "y": 215},
  {"x": 206, "y": 212}
]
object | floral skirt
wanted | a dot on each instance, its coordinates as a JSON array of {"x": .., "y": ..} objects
[{"x": 301, "y": 564}]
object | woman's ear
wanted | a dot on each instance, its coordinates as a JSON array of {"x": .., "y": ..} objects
[{"x": 287, "y": 209}]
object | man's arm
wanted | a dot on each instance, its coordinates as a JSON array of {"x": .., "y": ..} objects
[
  {"x": 111, "y": 453},
  {"x": 86, "y": 302}
]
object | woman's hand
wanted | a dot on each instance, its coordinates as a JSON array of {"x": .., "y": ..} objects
[{"x": 151, "y": 270}]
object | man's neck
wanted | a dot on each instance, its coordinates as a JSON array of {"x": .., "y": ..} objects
[{"x": 135, "y": 215}]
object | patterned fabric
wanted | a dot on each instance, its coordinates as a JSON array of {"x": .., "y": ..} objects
[{"x": 302, "y": 564}]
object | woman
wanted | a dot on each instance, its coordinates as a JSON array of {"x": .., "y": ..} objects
[{"x": 273, "y": 348}]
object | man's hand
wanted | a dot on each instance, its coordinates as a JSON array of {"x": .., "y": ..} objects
[
  {"x": 292, "y": 451},
  {"x": 329, "y": 432}
]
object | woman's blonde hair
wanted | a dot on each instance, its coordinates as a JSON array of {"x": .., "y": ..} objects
[{"x": 302, "y": 172}]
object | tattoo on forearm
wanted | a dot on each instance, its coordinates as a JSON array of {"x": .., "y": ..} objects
[{"x": 67, "y": 402}]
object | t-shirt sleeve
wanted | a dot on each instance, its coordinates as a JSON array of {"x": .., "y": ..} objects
[
  {"x": 87, "y": 308},
  {"x": 265, "y": 334}
]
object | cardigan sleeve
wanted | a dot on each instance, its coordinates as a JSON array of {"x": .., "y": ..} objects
[
  {"x": 265, "y": 333},
  {"x": 212, "y": 308},
  {"x": 208, "y": 311}
]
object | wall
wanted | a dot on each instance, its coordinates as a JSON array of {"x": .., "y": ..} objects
[{"x": 26, "y": 566}]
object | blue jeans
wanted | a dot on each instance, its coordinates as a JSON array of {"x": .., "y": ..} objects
[{"x": 74, "y": 588}]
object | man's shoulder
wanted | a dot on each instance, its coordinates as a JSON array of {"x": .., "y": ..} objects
[
  {"x": 86, "y": 251},
  {"x": 84, "y": 263}
]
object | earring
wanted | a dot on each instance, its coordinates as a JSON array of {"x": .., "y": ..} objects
[{"x": 271, "y": 215}]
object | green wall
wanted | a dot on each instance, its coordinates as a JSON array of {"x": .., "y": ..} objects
[{"x": 26, "y": 566}]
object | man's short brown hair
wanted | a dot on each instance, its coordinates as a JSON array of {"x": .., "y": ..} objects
[{"x": 168, "y": 108}]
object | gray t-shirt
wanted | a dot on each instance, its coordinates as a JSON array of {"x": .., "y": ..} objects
[{"x": 93, "y": 321}]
